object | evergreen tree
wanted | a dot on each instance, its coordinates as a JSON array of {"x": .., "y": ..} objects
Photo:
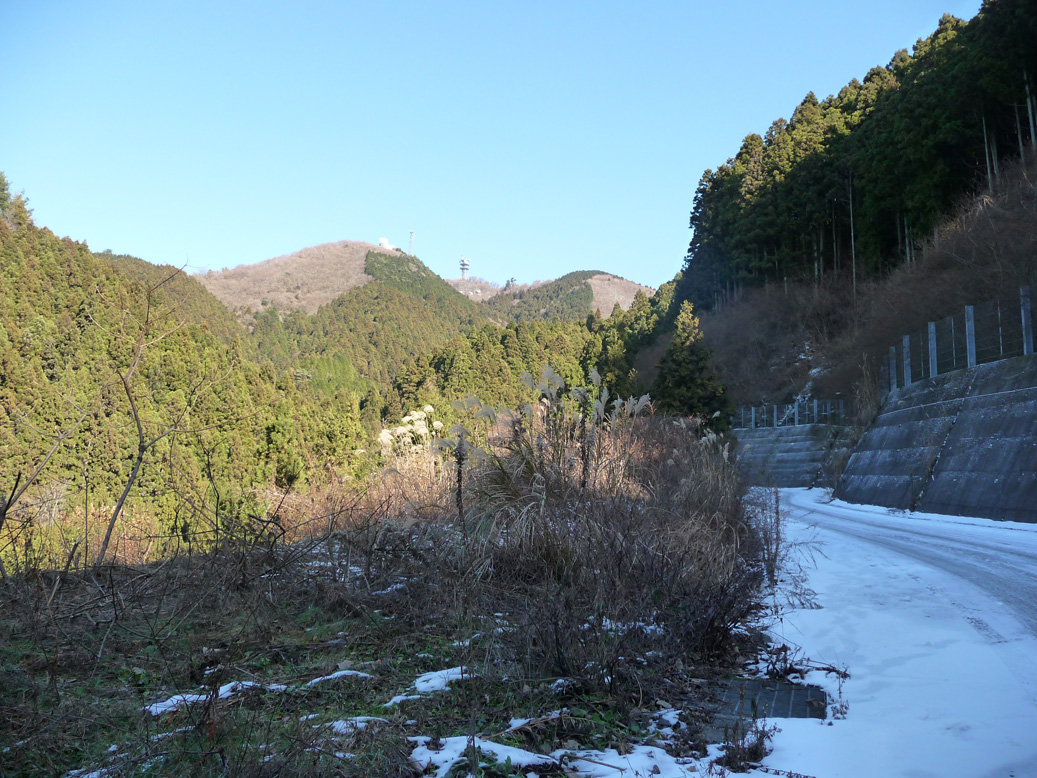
[
  {"x": 902, "y": 147},
  {"x": 686, "y": 383}
]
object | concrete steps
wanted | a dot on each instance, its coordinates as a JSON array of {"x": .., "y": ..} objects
[{"x": 786, "y": 456}]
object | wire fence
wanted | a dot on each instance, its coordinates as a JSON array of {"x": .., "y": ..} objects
[
  {"x": 987, "y": 332},
  {"x": 978, "y": 334},
  {"x": 790, "y": 414}
]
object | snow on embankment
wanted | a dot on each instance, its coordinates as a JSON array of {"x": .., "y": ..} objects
[{"x": 963, "y": 444}]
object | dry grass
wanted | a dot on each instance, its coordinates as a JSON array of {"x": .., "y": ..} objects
[{"x": 581, "y": 540}]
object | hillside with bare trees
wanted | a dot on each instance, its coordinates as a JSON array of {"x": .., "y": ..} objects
[{"x": 303, "y": 280}]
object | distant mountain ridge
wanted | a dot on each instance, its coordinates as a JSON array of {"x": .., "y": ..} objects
[
  {"x": 314, "y": 276},
  {"x": 571, "y": 298},
  {"x": 606, "y": 290}
]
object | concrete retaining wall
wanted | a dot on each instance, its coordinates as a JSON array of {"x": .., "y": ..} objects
[
  {"x": 962, "y": 444},
  {"x": 787, "y": 456}
]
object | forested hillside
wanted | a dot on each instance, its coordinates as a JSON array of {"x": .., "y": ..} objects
[
  {"x": 489, "y": 362},
  {"x": 567, "y": 298},
  {"x": 854, "y": 183},
  {"x": 135, "y": 375},
  {"x": 358, "y": 342},
  {"x": 139, "y": 397}
]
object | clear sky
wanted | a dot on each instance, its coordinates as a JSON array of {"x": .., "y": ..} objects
[{"x": 534, "y": 138}]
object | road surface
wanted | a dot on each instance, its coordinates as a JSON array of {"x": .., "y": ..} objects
[
  {"x": 998, "y": 558},
  {"x": 935, "y": 620}
]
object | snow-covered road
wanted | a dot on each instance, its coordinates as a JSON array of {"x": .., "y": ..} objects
[
  {"x": 998, "y": 557},
  {"x": 934, "y": 617}
]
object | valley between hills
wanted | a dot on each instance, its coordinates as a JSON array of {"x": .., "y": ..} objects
[{"x": 330, "y": 514}]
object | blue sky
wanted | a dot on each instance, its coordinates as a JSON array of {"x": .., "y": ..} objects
[{"x": 533, "y": 138}]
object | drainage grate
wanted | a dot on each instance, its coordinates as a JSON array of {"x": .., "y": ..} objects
[
  {"x": 764, "y": 698},
  {"x": 772, "y": 699}
]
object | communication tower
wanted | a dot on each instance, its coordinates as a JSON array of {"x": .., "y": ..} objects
[
  {"x": 464, "y": 268},
  {"x": 411, "y": 249}
]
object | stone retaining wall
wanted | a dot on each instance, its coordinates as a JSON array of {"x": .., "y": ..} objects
[{"x": 962, "y": 444}]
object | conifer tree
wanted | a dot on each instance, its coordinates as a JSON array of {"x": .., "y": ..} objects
[{"x": 686, "y": 383}]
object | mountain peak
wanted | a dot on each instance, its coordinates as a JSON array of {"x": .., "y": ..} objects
[{"x": 305, "y": 279}]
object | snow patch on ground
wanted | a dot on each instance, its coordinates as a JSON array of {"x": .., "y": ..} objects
[
  {"x": 235, "y": 687},
  {"x": 643, "y": 761},
  {"x": 339, "y": 674},
  {"x": 355, "y": 724},
  {"x": 439, "y": 680}
]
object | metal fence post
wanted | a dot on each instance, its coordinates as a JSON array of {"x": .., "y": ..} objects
[
  {"x": 815, "y": 411},
  {"x": 970, "y": 335},
  {"x": 892, "y": 368},
  {"x": 752, "y": 417},
  {"x": 1024, "y": 309},
  {"x": 933, "y": 369},
  {"x": 907, "y": 361},
  {"x": 796, "y": 415},
  {"x": 1000, "y": 332},
  {"x": 775, "y": 415}
]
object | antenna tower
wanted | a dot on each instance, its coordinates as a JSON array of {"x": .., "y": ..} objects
[
  {"x": 411, "y": 249},
  {"x": 464, "y": 268}
]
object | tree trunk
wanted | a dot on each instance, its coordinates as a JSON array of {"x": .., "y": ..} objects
[
  {"x": 1019, "y": 134},
  {"x": 993, "y": 156},
  {"x": 141, "y": 450},
  {"x": 821, "y": 250},
  {"x": 986, "y": 154},
  {"x": 835, "y": 244},
  {"x": 1030, "y": 100},
  {"x": 86, "y": 517},
  {"x": 907, "y": 241},
  {"x": 853, "y": 244}
]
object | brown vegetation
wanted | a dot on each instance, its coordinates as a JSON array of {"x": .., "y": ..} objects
[
  {"x": 601, "y": 547},
  {"x": 609, "y": 290},
  {"x": 773, "y": 341},
  {"x": 304, "y": 280}
]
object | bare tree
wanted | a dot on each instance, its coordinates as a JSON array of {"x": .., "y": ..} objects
[
  {"x": 148, "y": 332},
  {"x": 7, "y": 502}
]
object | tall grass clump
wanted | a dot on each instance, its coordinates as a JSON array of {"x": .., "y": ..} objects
[
  {"x": 601, "y": 539},
  {"x": 610, "y": 534}
]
